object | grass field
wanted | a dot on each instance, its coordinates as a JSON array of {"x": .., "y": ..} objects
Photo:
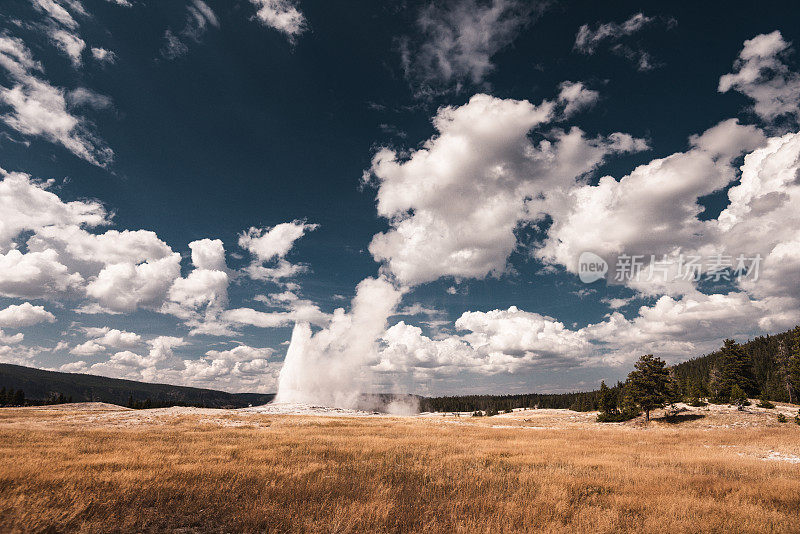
[{"x": 193, "y": 471}]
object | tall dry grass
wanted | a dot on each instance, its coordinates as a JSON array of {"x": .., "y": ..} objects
[{"x": 284, "y": 474}]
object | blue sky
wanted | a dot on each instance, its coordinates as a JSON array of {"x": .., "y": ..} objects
[{"x": 186, "y": 185}]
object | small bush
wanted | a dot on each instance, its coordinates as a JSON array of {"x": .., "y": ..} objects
[
  {"x": 764, "y": 403},
  {"x": 738, "y": 397},
  {"x": 697, "y": 403},
  {"x": 477, "y": 413},
  {"x": 781, "y": 418},
  {"x": 617, "y": 417}
]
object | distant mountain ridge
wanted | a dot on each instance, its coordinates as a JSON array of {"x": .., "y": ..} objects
[{"x": 41, "y": 385}]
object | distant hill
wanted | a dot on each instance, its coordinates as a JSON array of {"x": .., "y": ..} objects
[{"x": 40, "y": 385}]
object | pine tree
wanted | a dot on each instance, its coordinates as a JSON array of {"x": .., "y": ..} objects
[
  {"x": 736, "y": 369},
  {"x": 793, "y": 364},
  {"x": 649, "y": 383},
  {"x": 674, "y": 389},
  {"x": 696, "y": 394},
  {"x": 715, "y": 385},
  {"x": 608, "y": 399},
  {"x": 607, "y": 404},
  {"x": 764, "y": 402},
  {"x": 782, "y": 364},
  {"x": 700, "y": 388},
  {"x": 628, "y": 404},
  {"x": 738, "y": 397}
]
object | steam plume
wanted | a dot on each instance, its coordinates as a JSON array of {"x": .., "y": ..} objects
[{"x": 331, "y": 367}]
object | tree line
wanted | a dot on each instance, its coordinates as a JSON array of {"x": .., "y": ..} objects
[
  {"x": 767, "y": 367},
  {"x": 11, "y": 397},
  {"x": 16, "y": 398},
  {"x": 731, "y": 379},
  {"x": 578, "y": 401},
  {"x": 148, "y": 403}
]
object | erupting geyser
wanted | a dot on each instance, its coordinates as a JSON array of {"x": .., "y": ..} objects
[{"x": 332, "y": 367}]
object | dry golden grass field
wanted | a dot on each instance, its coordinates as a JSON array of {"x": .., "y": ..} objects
[{"x": 96, "y": 468}]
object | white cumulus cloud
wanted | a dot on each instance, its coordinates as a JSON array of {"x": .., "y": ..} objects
[
  {"x": 455, "y": 203},
  {"x": 25, "y": 314},
  {"x": 762, "y": 74}
]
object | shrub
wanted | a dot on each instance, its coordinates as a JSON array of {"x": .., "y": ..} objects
[
  {"x": 781, "y": 418},
  {"x": 764, "y": 403},
  {"x": 615, "y": 417},
  {"x": 477, "y": 413},
  {"x": 697, "y": 403},
  {"x": 738, "y": 397}
]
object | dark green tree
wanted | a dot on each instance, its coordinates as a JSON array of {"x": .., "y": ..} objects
[
  {"x": 782, "y": 365},
  {"x": 649, "y": 383},
  {"x": 674, "y": 389},
  {"x": 698, "y": 390},
  {"x": 715, "y": 385},
  {"x": 696, "y": 394},
  {"x": 737, "y": 369},
  {"x": 764, "y": 402},
  {"x": 793, "y": 364},
  {"x": 628, "y": 405},
  {"x": 738, "y": 397},
  {"x": 608, "y": 399}
]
